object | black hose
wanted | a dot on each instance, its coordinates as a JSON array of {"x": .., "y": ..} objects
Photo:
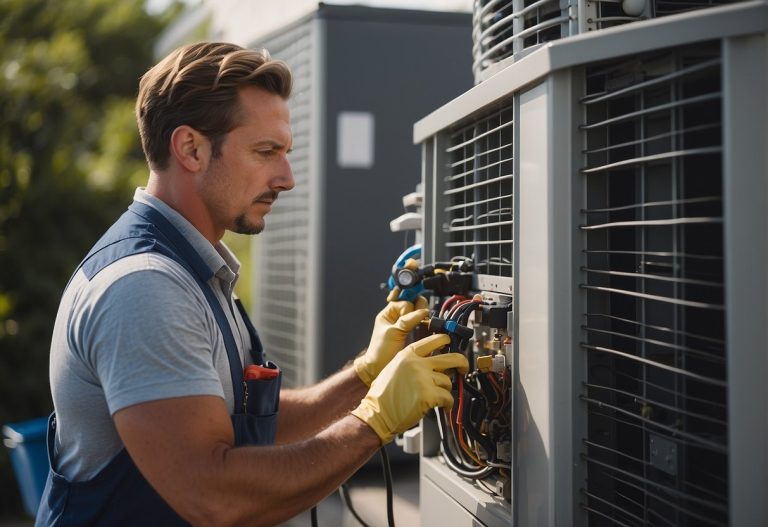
[
  {"x": 347, "y": 500},
  {"x": 388, "y": 482}
]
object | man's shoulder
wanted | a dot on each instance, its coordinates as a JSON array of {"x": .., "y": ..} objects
[{"x": 150, "y": 272}]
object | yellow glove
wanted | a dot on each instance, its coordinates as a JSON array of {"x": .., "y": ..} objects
[
  {"x": 409, "y": 386},
  {"x": 393, "y": 323}
]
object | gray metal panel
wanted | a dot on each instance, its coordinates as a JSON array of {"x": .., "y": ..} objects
[
  {"x": 447, "y": 500},
  {"x": 566, "y": 375},
  {"x": 745, "y": 113},
  {"x": 577, "y": 302},
  {"x": 427, "y": 183},
  {"x": 439, "y": 508},
  {"x": 533, "y": 399},
  {"x": 318, "y": 149}
]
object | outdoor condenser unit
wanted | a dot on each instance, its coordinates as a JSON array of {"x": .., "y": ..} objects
[
  {"x": 362, "y": 77},
  {"x": 505, "y": 30},
  {"x": 615, "y": 185}
]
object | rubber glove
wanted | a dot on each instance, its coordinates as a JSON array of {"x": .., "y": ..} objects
[
  {"x": 409, "y": 386},
  {"x": 392, "y": 326}
]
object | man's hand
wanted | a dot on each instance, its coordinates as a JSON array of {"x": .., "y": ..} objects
[
  {"x": 409, "y": 386},
  {"x": 393, "y": 323}
]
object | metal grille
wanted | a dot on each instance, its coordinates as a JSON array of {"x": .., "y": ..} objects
[
  {"x": 478, "y": 192},
  {"x": 503, "y": 28},
  {"x": 281, "y": 277},
  {"x": 656, "y": 449}
]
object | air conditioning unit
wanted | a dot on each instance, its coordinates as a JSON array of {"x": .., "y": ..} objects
[
  {"x": 363, "y": 75},
  {"x": 506, "y": 30},
  {"x": 614, "y": 187}
]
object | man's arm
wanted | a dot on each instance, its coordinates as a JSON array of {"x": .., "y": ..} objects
[
  {"x": 185, "y": 448},
  {"x": 306, "y": 411}
]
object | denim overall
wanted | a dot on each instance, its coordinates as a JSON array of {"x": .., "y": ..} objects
[{"x": 119, "y": 494}]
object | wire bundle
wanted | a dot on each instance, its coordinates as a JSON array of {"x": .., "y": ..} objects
[{"x": 480, "y": 418}]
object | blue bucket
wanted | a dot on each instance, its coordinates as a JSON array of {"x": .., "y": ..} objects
[{"x": 29, "y": 458}]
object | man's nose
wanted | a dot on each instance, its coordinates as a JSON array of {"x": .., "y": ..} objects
[{"x": 284, "y": 180}]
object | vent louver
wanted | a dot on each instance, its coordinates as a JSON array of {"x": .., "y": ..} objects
[
  {"x": 478, "y": 193},
  {"x": 654, "y": 327}
]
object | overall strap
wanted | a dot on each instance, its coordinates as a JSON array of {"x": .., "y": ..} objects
[
  {"x": 181, "y": 251},
  {"x": 257, "y": 349}
]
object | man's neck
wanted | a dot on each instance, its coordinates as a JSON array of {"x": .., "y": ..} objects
[{"x": 179, "y": 193}]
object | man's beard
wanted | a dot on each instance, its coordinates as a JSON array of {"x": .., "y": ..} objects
[{"x": 244, "y": 226}]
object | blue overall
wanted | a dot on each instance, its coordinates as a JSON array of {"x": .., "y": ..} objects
[{"x": 119, "y": 494}]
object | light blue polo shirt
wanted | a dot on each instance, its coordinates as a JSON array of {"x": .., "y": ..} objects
[{"x": 140, "y": 330}]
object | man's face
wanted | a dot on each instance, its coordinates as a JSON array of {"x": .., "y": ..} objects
[{"x": 240, "y": 185}]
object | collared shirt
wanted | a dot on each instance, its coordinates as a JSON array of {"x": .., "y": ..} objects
[
  {"x": 219, "y": 258},
  {"x": 139, "y": 330}
]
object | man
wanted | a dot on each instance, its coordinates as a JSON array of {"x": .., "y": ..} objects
[{"x": 155, "y": 423}]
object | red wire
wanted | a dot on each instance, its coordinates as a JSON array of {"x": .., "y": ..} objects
[
  {"x": 448, "y": 302},
  {"x": 461, "y": 402},
  {"x": 460, "y": 430},
  {"x": 457, "y": 306}
]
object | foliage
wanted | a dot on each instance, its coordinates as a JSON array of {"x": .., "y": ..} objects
[{"x": 69, "y": 159}]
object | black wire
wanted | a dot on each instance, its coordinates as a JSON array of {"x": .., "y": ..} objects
[
  {"x": 466, "y": 308},
  {"x": 388, "y": 483},
  {"x": 487, "y": 387},
  {"x": 313, "y": 516},
  {"x": 453, "y": 464},
  {"x": 469, "y": 426},
  {"x": 347, "y": 500},
  {"x": 462, "y": 314}
]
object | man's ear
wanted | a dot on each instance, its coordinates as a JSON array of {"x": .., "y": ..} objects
[{"x": 190, "y": 148}]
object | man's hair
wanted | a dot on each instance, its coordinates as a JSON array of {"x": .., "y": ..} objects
[{"x": 197, "y": 85}]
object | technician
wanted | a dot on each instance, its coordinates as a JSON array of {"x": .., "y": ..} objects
[{"x": 166, "y": 409}]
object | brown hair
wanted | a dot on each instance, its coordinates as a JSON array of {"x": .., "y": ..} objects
[{"x": 197, "y": 85}]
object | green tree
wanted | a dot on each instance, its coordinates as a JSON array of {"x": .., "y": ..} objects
[{"x": 69, "y": 159}]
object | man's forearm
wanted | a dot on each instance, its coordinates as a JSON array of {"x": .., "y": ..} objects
[
  {"x": 267, "y": 485},
  {"x": 305, "y": 411}
]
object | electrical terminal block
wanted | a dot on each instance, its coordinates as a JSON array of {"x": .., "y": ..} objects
[{"x": 484, "y": 363}]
